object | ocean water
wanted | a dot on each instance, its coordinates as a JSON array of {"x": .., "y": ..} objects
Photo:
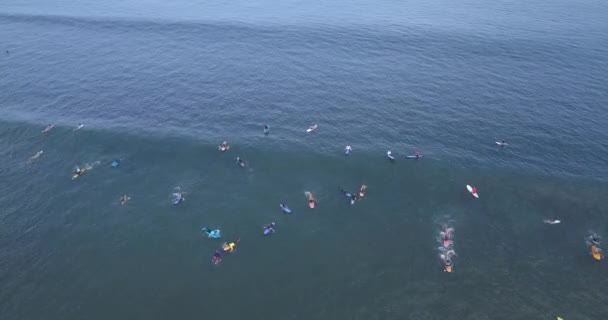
[{"x": 160, "y": 84}]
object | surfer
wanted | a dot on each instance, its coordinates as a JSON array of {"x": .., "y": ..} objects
[
  {"x": 229, "y": 247},
  {"x": 346, "y": 193},
  {"x": 353, "y": 198},
  {"x": 266, "y": 129},
  {"x": 311, "y": 199},
  {"x": 351, "y": 195},
  {"x": 37, "y": 155},
  {"x": 446, "y": 237},
  {"x": 552, "y": 221},
  {"x": 285, "y": 208},
  {"x": 124, "y": 199},
  {"x": 447, "y": 265},
  {"x": 178, "y": 196},
  {"x": 474, "y": 190},
  {"x": 241, "y": 162},
  {"x": 348, "y": 150},
  {"x": 217, "y": 257},
  {"x": 215, "y": 234},
  {"x": 362, "y": 191},
  {"x": 596, "y": 252},
  {"x": 79, "y": 171},
  {"x": 269, "y": 228},
  {"x": 224, "y": 146},
  {"x": 417, "y": 155},
  {"x": 47, "y": 128}
]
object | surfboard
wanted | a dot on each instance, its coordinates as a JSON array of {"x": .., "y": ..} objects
[
  {"x": 311, "y": 128},
  {"x": 267, "y": 231},
  {"x": 595, "y": 252},
  {"x": 222, "y": 148},
  {"x": 311, "y": 204},
  {"x": 390, "y": 156},
  {"x": 413, "y": 157},
  {"x": 76, "y": 176},
  {"x": 448, "y": 269},
  {"x": 285, "y": 209},
  {"x": 362, "y": 191},
  {"x": 501, "y": 143},
  {"x": 115, "y": 163},
  {"x": 552, "y": 221},
  {"x": 471, "y": 191},
  {"x": 177, "y": 200}
]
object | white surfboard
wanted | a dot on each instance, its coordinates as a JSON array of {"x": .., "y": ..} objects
[
  {"x": 552, "y": 221},
  {"x": 501, "y": 143},
  {"x": 311, "y": 128},
  {"x": 471, "y": 191}
]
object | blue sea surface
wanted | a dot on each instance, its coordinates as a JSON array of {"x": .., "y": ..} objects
[{"x": 160, "y": 84}]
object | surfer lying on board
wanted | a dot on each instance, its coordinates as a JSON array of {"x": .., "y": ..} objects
[
  {"x": 446, "y": 237},
  {"x": 269, "y": 228},
  {"x": 447, "y": 265},
  {"x": 215, "y": 234},
  {"x": 241, "y": 162},
  {"x": 446, "y": 258},
  {"x": 311, "y": 199},
  {"x": 36, "y": 156},
  {"x": 229, "y": 247},
  {"x": 79, "y": 171},
  {"x": 178, "y": 196},
  {"x": 351, "y": 195},
  {"x": 48, "y": 128},
  {"x": 593, "y": 241},
  {"x": 217, "y": 257},
  {"x": 124, "y": 199},
  {"x": 362, "y": 191}
]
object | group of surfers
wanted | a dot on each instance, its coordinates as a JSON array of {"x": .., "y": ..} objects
[
  {"x": 592, "y": 242},
  {"x": 226, "y": 248}
]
